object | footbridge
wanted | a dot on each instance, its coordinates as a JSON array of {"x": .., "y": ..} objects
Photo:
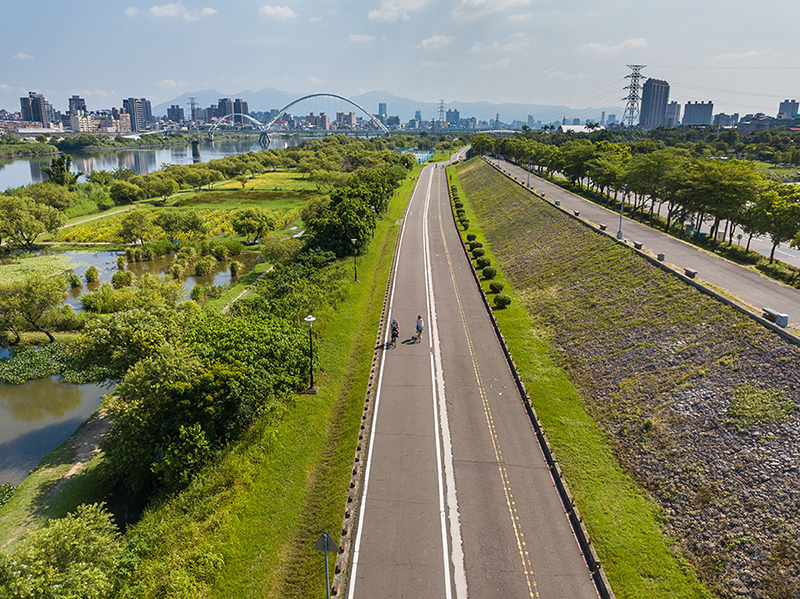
[{"x": 265, "y": 128}]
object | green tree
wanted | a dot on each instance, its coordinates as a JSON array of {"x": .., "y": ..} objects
[
  {"x": 76, "y": 556},
  {"x": 37, "y": 296},
  {"x": 136, "y": 226},
  {"x": 123, "y": 192},
  {"x": 59, "y": 171},
  {"x": 253, "y": 223},
  {"x": 101, "y": 177},
  {"x": 23, "y": 219}
]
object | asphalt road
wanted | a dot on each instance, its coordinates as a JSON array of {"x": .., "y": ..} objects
[
  {"x": 747, "y": 284},
  {"x": 457, "y": 499}
]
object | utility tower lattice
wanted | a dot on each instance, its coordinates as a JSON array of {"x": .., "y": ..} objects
[
  {"x": 442, "y": 107},
  {"x": 631, "y": 115},
  {"x": 193, "y": 107}
]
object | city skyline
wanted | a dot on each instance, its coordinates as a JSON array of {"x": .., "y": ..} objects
[{"x": 520, "y": 51}]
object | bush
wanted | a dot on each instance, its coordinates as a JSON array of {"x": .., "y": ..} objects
[
  {"x": 471, "y": 237},
  {"x": 203, "y": 267},
  {"x": 121, "y": 261},
  {"x": 475, "y": 244},
  {"x": 496, "y": 286},
  {"x": 482, "y": 262},
  {"x": 461, "y": 213},
  {"x": 478, "y": 252},
  {"x": 74, "y": 280},
  {"x": 465, "y": 223},
  {"x": 489, "y": 272},
  {"x": 459, "y": 204},
  {"x": 236, "y": 268},
  {"x": 502, "y": 300},
  {"x": 121, "y": 278},
  {"x": 6, "y": 492},
  {"x": 92, "y": 274}
]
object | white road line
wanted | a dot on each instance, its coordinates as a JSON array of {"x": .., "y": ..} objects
[
  {"x": 368, "y": 467},
  {"x": 440, "y": 407}
]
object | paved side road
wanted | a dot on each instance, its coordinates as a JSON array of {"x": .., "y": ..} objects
[
  {"x": 457, "y": 499},
  {"x": 750, "y": 286}
]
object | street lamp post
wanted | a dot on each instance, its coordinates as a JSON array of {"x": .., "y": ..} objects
[
  {"x": 528, "y": 184},
  {"x": 621, "y": 208},
  {"x": 355, "y": 262},
  {"x": 311, "y": 389},
  {"x": 373, "y": 221}
]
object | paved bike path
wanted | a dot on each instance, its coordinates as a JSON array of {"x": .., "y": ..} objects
[
  {"x": 457, "y": 497},
  {"x": 747, "y": 284}
]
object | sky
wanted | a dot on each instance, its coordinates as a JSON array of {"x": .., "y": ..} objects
[{"x": 742, "y": 56}]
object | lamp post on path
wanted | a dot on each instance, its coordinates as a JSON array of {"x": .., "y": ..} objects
[
  {"x": 311, "y": 389},
  {"x": 621, "y": 208},
  {"x": 355, "y": 263}
]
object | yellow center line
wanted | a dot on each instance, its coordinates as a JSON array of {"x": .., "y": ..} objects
[{"x": 527, "y": 567}]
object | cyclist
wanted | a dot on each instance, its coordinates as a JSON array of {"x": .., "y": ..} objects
[
  {"x": 395, "y": 332},
  {"x": 420, "y": 324}
]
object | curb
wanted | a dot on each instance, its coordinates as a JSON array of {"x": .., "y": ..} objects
[
  {"x": 786, "y": 335},
  {"x": 576, "y": 520}
]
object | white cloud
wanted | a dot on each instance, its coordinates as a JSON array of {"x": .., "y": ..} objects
[
  {"x": 175, "y": 10},
  {"x": 315, "y": 19},
  {"x": 5, "y": 87},
  {"x": 21, "y": 56},
  {"x": 768, "y": 53},
  {"x": 521, "y": 17},
  {"x": 503, "y": 63},
  {"x": 434, "y": 42},
  {"x": 316, "y": 81},
  {"x": 391, "y": 11},
  {"x": 554, "y": 73},
  {"x": 432, "y": 64},
  {"x": 170, "y": 83},
  {"x": 516, "y": 43},
  {"x": 278, "y": 13},
  {"x": 634, "y": 43},
  {"x": 361, "y": 38},
  {"x": 131, "y": 11},
  {"x": 470, "y": 9}
]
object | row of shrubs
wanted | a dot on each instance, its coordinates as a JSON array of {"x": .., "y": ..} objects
[
  {"x": 482, "y": 262},
  {"x": 461, "y": 214}
]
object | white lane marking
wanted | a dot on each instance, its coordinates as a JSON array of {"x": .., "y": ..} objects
[
  {"x": 368, "y": 467},
  {"x": 437, "y": 372}
]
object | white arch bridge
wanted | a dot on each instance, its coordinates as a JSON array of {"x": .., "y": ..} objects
[{"x": 264, "y": 128}]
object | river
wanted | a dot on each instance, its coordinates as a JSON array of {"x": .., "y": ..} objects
[{"x": 24, "y": 171}]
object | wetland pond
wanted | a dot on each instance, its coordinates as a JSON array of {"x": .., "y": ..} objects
[{"x": 37, "y": 416}]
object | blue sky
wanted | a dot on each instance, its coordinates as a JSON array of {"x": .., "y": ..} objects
[{"x": 570, "y": 52}]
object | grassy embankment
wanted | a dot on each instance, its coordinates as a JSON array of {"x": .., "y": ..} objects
[
  {"x": 246, "y": 526},
  {"x": 623, "y": 521}
]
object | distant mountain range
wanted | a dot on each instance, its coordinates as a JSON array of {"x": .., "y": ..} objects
[{"x": 268, "y": 98}]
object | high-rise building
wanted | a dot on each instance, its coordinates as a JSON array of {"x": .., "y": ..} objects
[
  {"x": 655, "y": 95},
  {"x": 140, "y": 112},
  {"x": 76, "y": 103},
  {"x": 698, "y": 113},
  {"x": 418, "y": 115},
  {"x": 175, "y": 113},
  {"x": 612, "y": 119},
  {"x": 34, "y": 109},
  {"x": 673, "y": 115},
  {"x": 382, "y": 109},
  {"x": 788, "y": 109},
  {"x": 224, "y": 107},
  {"x": 453, "y": 117},
  {"x": 240, "y": 107}
]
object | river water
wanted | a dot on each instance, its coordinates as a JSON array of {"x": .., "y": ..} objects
[{"x": 24, "y": 171}]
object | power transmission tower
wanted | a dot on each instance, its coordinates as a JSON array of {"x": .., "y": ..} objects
[
  {"x": 631, "y": 115},
  {"x": 442, "y": 107},
  {"x": 193, "y": 107}
]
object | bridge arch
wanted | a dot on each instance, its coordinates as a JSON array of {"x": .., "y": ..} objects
[{"x": 348, "y": 100}]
